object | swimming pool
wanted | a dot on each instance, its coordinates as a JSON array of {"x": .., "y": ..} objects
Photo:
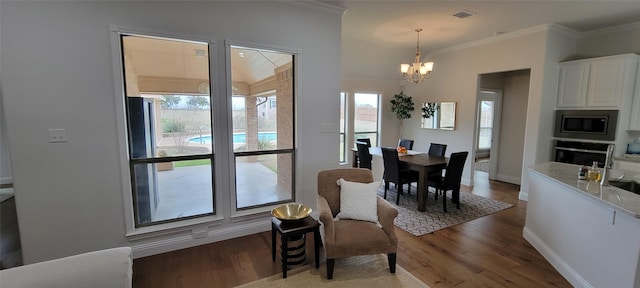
[{"x": 238, "y": 138}]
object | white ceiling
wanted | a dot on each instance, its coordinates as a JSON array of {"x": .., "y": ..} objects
[
  {"x": 379, "y": 35},
  {"x": 392, "y": 23}
]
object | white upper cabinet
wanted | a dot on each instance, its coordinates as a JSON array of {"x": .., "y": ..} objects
[
  {"x": 572, "y": 88},
  {"x": 604, "y": 82}
]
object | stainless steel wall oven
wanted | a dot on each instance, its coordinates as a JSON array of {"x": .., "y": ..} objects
[{"x": 581, "y": 153}]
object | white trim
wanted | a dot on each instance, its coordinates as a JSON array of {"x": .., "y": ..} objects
[
  {"x": 189, "y": 240},
  {"x": 6, "y": 180},
  {"x": 172, "y": 227},
  {"x": 331, "y": 7},
  {"x": 466, "y": 181},
  {"x": 250, "y": 45},
  {"x": 524, "y": 196},
  {"x": 514, "y": 34},
  {"x": 554, "y": 259},
  {"x": 118, "y": 84}
]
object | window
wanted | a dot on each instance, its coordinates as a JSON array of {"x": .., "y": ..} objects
[
  {"x": 169, "y": 112},
  {"x": 343, "y": 127},
  {"x": 263, "y": 125},
  {"x": 168, "y": 119},
  {"x": 486, "y": 125},
  {"x": 365, "y": 122}
]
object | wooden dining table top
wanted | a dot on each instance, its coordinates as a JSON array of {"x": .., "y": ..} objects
[
  {"x": 419, "y": 161},
  {"x": 414, "y": 157}
]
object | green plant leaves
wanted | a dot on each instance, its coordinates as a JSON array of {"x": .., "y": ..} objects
[{"x": 402, "y": 105}]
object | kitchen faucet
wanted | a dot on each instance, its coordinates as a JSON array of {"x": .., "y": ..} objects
[{"x": 607, "y": 166}]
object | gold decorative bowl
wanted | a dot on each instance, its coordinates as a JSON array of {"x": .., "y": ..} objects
[{"x": 291, "y": 212}]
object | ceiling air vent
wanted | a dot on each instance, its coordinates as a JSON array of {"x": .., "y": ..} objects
[{"x": 464, "y": 14}]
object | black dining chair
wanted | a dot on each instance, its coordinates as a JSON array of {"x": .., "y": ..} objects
[
  {"x": 364, "y": 156},
  {"x": 406, "y": 143},
  {"x": 437, "y": 149},
  {"x": 451, "y": 179},
  {"x": 365, "y": 140},
  {"x": 396, "y": 172}
]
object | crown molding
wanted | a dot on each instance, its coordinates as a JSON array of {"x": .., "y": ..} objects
[
  {"x": 327, "y": 6},
  {"x": 514, "y": 34}
]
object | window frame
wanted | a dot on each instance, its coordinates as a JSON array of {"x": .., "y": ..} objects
[
  {"x": 378, "y": 118},
  {"x": 222, "y": 148},
  {"x": 244, "y": 211},
  {"x": 143, "y": 232},
  {"x": 343, "y": 131}
]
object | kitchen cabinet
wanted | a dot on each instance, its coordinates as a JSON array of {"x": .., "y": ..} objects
[
  {"x": 583, "y": 229},
  {"x": 572, "y": 88},
  {"x": 603, "y": 82}
]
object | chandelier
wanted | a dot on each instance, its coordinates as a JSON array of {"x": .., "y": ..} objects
[{"x": 417, "y": 71}]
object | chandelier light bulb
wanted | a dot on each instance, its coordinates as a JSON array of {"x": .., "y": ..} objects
[{"x": 417, "y": 71}]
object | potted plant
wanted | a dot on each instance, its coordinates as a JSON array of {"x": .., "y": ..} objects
[
  {"x": 164, "y": 166},
  {"x": 402, "y": 106}
]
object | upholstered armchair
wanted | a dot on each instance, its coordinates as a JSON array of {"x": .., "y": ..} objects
[{"x": 344, "y": 238}]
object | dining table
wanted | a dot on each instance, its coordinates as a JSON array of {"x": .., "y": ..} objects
[{"x": 421, "y": 162}]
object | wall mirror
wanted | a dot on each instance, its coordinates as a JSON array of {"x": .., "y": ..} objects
[{"x": 439, "y": 115}]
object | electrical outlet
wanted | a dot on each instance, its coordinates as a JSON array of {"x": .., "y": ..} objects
[
  {"x": 58, "y": 135},
  {"x": 326, "y": 128}
]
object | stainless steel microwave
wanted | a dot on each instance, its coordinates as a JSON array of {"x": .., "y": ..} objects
[{"x": 586, "y": 124}]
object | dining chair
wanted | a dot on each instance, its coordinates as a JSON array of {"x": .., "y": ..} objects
[
  {"x": 451, "y": 179},
  {"x": 406, "y": 143},
  {"x": 437, "y": 149},
  {"x": 396, "y": 172},
  {"x": 364, "y": 156},
  {"x": 365, "y": 140}
]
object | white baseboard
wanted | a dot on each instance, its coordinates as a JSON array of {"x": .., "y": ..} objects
[
  {"x": 508, "y": 179},
  {"x": 466, "y": 182},
  {"x": 561, "y": 266},
  {"x": 524, "y": 196},
  {"x": 6, "y": 180},
  {"x": 187, "y": 240}
]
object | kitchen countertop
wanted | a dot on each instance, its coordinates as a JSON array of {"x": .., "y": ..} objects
[{"x": 619, "y": 199}]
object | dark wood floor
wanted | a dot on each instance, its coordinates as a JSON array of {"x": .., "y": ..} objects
[{"x": 486, "y": 252}]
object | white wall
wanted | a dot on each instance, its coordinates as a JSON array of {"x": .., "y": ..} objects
[
  {"x": 610, "y": 41},
  {"x": 57, "y": 73},
  {"x": 512, "y": 133},
  {"x": 456, "y": 76}
]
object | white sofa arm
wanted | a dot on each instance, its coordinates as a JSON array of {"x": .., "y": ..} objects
[{"x": 108, "y": 268}]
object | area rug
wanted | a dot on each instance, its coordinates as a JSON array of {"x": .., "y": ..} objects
[
  {"x": 482, "y": 165},
  {"x": 353, "y": 272},
  {"x": 433, "y": 219}
]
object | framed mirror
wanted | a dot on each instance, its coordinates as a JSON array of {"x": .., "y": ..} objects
[{"x": 439, "y": 115}]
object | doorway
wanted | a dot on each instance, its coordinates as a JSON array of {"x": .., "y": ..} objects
[
  {"x": 501, "y": 116},
  {"x": 489, "y": 108}
]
